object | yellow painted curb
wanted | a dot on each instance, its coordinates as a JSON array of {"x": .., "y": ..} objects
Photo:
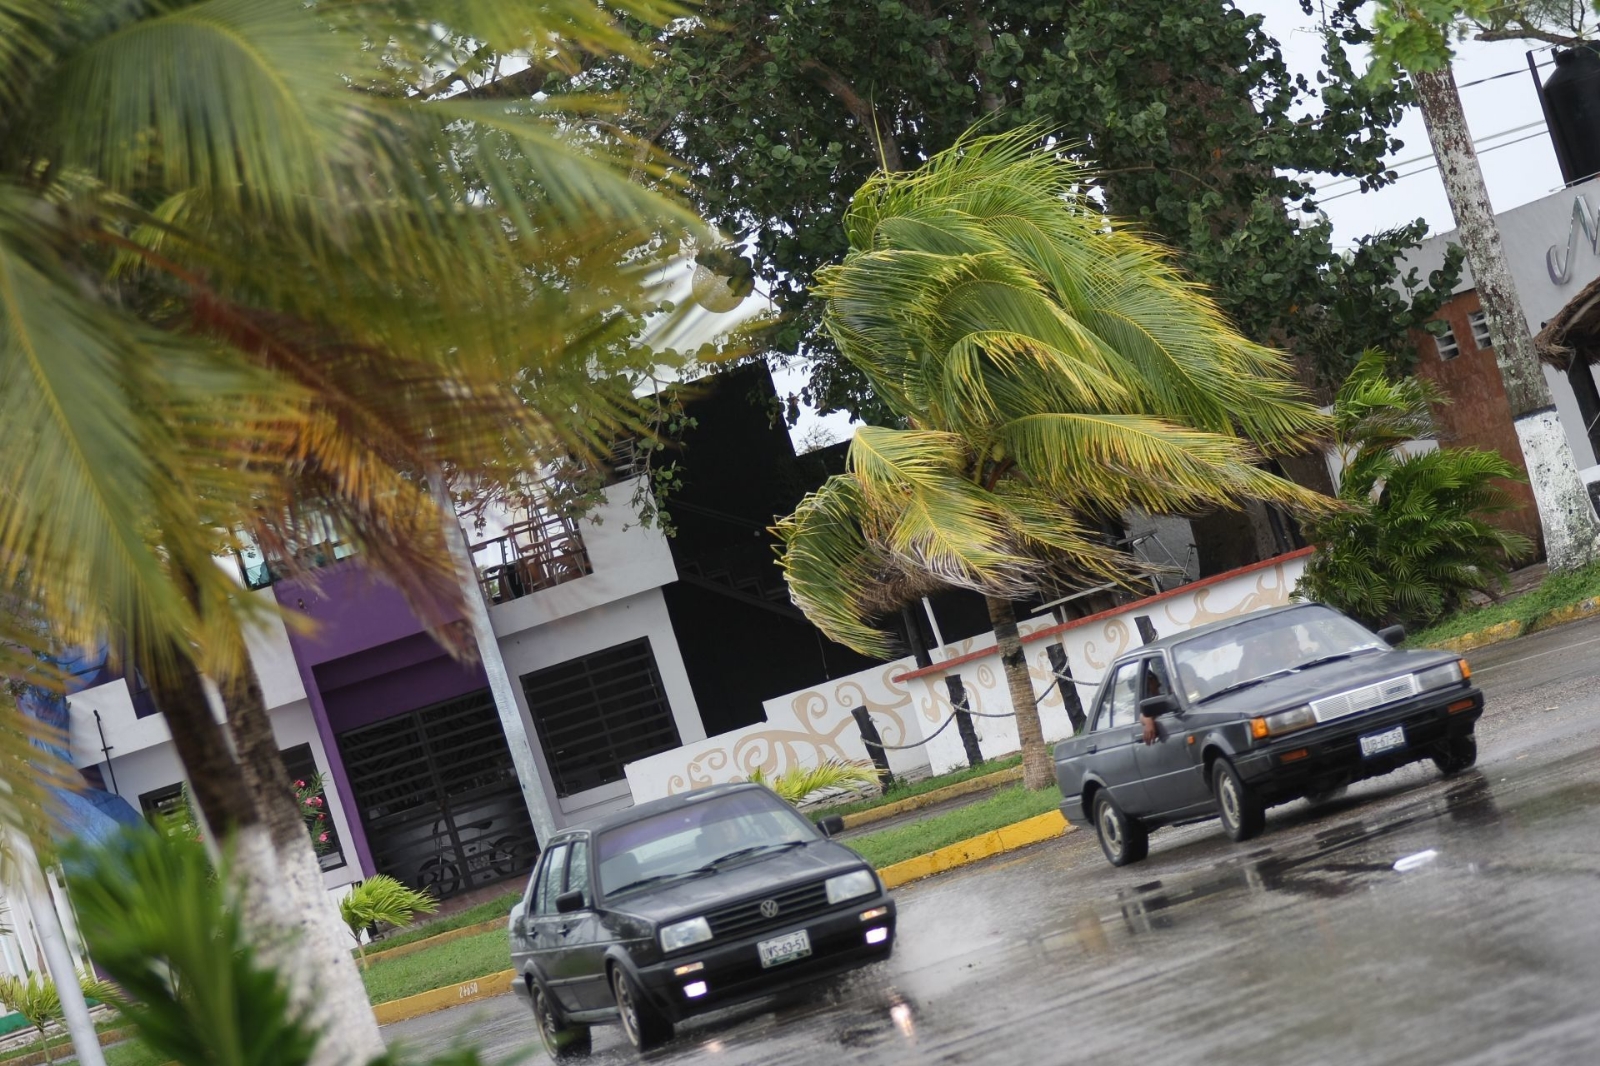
[
  {"x": 928, "y": 799},
  {"x": 495, "y": 984},
  {"x": 1511, "y": 630},
  {"x": 438, "y": 938},
  {"x": 1021, "y": 834}
]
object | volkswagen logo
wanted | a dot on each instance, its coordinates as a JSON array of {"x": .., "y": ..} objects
[{"x": 769, "y": 908}]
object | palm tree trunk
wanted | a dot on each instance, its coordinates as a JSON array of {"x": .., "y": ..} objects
[
  {"x": 1571, "y": 532},
  {"x": 1038, "y": 771},
  {"x": 288, "y": 892}
]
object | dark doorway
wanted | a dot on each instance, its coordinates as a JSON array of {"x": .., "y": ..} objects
[{"x": 438, "y": 795}]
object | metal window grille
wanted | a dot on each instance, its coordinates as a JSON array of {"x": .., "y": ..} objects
[
  {"x": 1480, "y": 330},
  {"x": 597, "y": 713},
  {"x": 1447, "y": 345}
]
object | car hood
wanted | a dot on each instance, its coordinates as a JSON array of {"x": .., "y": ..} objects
[
  {"x": 1292, "y": 690},
  {"x": 813, "y": 862}
]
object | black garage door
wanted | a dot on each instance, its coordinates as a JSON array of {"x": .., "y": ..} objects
[{"x": 439, "y": 797}]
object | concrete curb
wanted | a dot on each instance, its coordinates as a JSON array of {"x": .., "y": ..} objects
[
  {"x": 928, "y": 799},
  {"x": 1012, "y": 837},
  {"x": 439, "y": 938},
  {"x": 1497, "y": 634},
  {"x": 399, "y": 1010}
]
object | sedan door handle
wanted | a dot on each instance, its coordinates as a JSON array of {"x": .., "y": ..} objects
[
  {"x": 1092, "y": 748},
  {"x": 564, "y": 930}
]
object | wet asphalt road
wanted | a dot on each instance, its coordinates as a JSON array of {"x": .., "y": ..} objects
[{"x": 1304, "y": 946}]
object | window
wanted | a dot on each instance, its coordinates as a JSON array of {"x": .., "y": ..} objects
[
  {"x": 1120, "y": 700},
  {"x": 1155, "y": 678},
  {"x": 163, "y": 807},
  {"x": 302, "y": 766},
  {"x": 1447, "y": 345},
  {"x": 1480, "y": 331},
  {"x": 596, "y": 714},
  {"x": 578, "y": 869},
  {"x": 555, "y": 867}
]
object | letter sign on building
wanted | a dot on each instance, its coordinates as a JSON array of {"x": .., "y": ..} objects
[{"x": 1582, "y": 216}]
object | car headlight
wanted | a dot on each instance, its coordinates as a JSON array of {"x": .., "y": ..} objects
[
  {"x": 851, "y": 885},
  {"x": 682, "y": 934},
  {"x": 1283, "y": 722},
  {"x": 1443, "y": 676}
]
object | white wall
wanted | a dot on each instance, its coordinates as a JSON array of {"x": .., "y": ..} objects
[
  {"x": 1530, "y": 234},
  {"x": 605, "y": 626},
  {"x": 627, "y": 559}
]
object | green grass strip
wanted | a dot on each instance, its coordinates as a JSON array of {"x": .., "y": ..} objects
[
  {"x": 1008, "y": 805},
  {"x": 437, "y": 967},
  {"x": 499, "y": 907},
  {"x": 1556, "y": 591},
  {"x": 899, "y": 791}
]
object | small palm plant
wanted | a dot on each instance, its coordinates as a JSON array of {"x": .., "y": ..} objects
[
  {"x": 380, "y": 898},
  {"x": 36, "y": 998},
  {"x": 799, "y": 783},
  {"x": 1415, "y": 539}
]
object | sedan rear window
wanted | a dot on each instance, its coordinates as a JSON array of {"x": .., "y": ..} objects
[
  {"x": 1256, "y": 649},
  {"x": 694, "y": 838}
]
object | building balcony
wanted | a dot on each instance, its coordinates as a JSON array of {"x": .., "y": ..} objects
[{"x": 529, "y": 556}]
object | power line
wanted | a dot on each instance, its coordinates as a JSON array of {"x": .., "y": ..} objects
[
  {"x": 1435, "y": 165},
  {"x": 1419, "y": 158}
]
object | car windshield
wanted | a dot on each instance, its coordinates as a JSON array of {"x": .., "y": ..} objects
[
  {"x": 1254, "y": 650},
  {"x": 695, "y": 838}
]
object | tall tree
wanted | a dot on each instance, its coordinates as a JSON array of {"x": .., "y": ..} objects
[
  {"x": 1415, "y": 39},
  {"x": 259, "y": 272},
  {"x": 1049, "y": 369},
  {"x": 1193, "y": 126}
]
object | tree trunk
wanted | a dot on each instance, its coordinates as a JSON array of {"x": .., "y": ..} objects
[
  {"x": 1037, "y": 769},
  {"x": 286, "y": 891},
  {"x": 1571, "y": 533}
]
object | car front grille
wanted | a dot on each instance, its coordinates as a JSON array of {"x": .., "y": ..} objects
[
  {"x": 1364, "y": 699},
  {"x": 792, "y": 903}
]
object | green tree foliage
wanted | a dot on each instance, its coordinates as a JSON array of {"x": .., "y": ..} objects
[
  {"x": 36, "y": 998},
  {"x": 1193, "y": 126},
  {"x": 1049, "y": 370},
  {"x": 1413, "y": 540},
  {"x": 798, "y": 783},
  {"x": 381, "y": 900}
]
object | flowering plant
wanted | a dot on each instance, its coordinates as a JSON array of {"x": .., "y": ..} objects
[{"x": 314, "y": 809}]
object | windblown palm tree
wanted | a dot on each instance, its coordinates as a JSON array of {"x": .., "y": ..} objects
[
  {"x": 261, "y": 259},
  {"x": 1050, "y": 367}
]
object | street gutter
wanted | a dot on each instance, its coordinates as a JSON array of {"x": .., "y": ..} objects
[{"x": 1505, "y": 631}]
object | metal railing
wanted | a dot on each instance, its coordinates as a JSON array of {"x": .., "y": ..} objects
[{"x": 537, "y": 554}]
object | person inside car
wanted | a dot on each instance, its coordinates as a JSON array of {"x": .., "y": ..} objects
[{"x": 1155, "y": 684}]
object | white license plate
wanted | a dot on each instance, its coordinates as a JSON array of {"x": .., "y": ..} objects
[
  {"x": 1388, "y": 740},
  {"x": 786, "y": 948}
]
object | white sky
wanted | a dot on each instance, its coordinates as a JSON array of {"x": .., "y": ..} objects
[{"x": 1519, "y": 164}]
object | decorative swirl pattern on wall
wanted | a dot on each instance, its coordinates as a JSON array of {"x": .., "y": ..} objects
[
  {"x": 1117, "y": 637},
  {"x": 1271, "y": 590}
]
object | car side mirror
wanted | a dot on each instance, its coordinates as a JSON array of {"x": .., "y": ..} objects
[
  {"x": 568, "y": 902},
  {"x": 517, "y": 916},
  {"x": 831, "y": 826},
  {"x": 1151, "y": 706},
  {"x": 1392, "y": 635}
]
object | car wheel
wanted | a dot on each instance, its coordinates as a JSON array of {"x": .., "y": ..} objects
[
  {"x": 1456, "y": 754},
  {"x": 1121, "y": 838},
  {"x": 561, "y": 1039},
  {"x": 1243, "y": 813},
  {"x": 643, "y": 1024}
]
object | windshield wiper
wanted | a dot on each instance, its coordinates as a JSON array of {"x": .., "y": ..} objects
[
  {"x": 721, "y": 860},
  {"x": 1237, "y": 685},
  {"x": 656, "y": 879},
  {"x": 1332, "y": 658}
]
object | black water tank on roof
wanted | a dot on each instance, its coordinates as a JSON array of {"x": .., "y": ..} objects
[{"x": 1572, "y": 100}]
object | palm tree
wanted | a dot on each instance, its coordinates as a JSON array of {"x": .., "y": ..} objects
[
  {"x": 260, "y": 260},
  {"x": 1049, "y": 367},
  {"x": 380, "y": 898},
  {"x": 1413, "y": 540}
]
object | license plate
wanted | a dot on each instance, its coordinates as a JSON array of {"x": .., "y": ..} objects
[
  {"x": 1388, "y": 740},
  {"x": 786, "y": 948}
]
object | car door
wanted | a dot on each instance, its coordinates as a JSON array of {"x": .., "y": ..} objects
[
  {"x": 1174, "y": 779},
  {"x": 582, "y": 938},
  {"x": 546, "y": 947},
  {"x": 1116, "y": 732}
]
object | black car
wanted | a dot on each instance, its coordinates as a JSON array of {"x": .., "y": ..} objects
[
  {"x": 1292, "y": 702},
  {"x": 685, "y": 905}
]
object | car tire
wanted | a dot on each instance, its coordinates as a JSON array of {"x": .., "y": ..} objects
[
  {"x": 643, "y": 1025},
  {"x": 1122, "y": 839},
  {"x": 1456, "y": 754},
  {"x": 561, "y": 1038},
  {"x": 1242, "y": 812}
]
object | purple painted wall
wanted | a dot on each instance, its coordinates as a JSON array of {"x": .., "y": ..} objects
[{"x": 369, "y": 658}]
